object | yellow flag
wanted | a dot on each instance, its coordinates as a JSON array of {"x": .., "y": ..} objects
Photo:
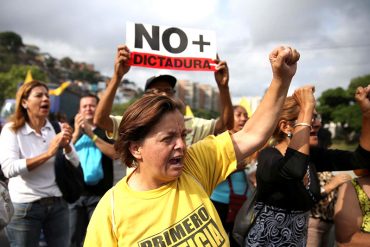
[
  {"x": 188, "y": 112},
  {"x": 58, "y": 91},
  {"x": 28, "y": 77},
  {"x": 246, "y": 104}
]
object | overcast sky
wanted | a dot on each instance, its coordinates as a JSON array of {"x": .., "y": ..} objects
[{"x": 333, "y": 36}]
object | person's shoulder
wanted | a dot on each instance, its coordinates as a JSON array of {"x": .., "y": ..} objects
[
  {"x": 268, "y": 155},
  {"x": 268, "y": 150},
  {"x": 8, "y": 127},
  {"x": 200, "y": 120}
]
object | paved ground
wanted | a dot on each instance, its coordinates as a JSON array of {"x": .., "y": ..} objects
[{"x": 119, "y": 172}]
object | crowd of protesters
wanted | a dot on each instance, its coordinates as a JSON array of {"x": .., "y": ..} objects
[{"x": 177, "y": 162}]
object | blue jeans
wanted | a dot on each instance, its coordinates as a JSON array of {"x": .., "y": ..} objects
[
  {"x": 80, "y": 213},
  {"x": 49, "y": 214}
]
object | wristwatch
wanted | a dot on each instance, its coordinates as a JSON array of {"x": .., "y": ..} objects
[{"x": 323, "y": 192}]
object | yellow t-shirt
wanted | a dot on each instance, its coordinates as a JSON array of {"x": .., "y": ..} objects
[
  {"x": 199, "y": 128},
  {"x": 177, "y": 214}
]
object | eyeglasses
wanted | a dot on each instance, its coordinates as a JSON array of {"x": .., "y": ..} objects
[{"x": 167, "y": 91}]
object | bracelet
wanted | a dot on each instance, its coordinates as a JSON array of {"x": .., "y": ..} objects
[
  {"x": 303, "y": 124},
  {"x": 94, "y": 138}
]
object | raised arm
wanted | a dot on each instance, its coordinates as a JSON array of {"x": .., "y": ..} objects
[
  {"x": 104, "y": 107},
  {"x": 302, "y": 128},
  {"x": 363, "y": 99},
  {"x": 104, "y": 147},
  {"x": 226, "y": 120},
  {"x": 262, "y": 123}
]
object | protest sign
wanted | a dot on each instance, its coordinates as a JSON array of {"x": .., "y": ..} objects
[{"x": 171, "y": 47}]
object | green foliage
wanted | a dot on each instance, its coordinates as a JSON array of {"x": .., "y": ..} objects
[
  {"x": 85, "y": 75},
  {"x": 202, "y": 113},
  {"x": 119, "y": 109},
  {"x": 334, "y": 97},
  {"x": 66, "y": 62},
  {"x": 9, "y": 80},
  {"x": 348, "y": 115},
  {"x": 362, "y": 81},
  {"x": 7, "y": 59},
  {"x": 11, "y": 41},
  {"x": 338, "y": 105}
]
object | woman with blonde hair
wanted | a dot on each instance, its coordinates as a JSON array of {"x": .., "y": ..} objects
[
  {"x": 288, "y": 186},
  {"x": 28, "y": 148}
]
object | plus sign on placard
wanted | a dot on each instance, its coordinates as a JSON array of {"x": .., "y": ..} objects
[
  {"x": 201, "y": 43},
  {"x": 171, "y": 47}
]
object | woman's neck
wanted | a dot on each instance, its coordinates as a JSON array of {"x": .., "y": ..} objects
[
  {"x": 139, "y": 182},
  {"x": 37, "y": 123},
  {"x": 282, "y": 146}
]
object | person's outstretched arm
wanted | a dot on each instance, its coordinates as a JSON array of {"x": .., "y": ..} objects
[
  {"x": 260, "y": 126},
  {"x": 104, "y": 147},
  {"x": 104, "y": 107},
  {"x": 226, "y": 119},
  {"x": 362, "y": 97}
]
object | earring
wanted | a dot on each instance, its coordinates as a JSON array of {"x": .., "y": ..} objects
[{"x": 290, "y": 135}]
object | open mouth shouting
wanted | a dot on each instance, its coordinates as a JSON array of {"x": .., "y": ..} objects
[
  {"x": 45, "y": 107},
  {"x": 176, "y": 161}
]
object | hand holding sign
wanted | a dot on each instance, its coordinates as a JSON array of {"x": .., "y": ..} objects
[
  {"x": 121, "y": 62},
  {"x": 222, "y": 73},
  {"x": 283, "y": 61}
]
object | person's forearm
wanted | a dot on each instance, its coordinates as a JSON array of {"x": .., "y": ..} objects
[
  {"x": 301, "y": 133},
  {"x": 226, "y": 120},
  {"x": 75, "y": 136},
  {"x": 106, "y": 148},
  {"x": 264, "y": 120},
  {"x": 358, "y": 239},
  {"x": 37, "y": 161},
  {"x": 104, "y": 108},
  {"x": 262, "y": 123},
  {"x": 365, "y": 133}
]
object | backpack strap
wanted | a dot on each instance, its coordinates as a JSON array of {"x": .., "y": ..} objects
[
  {"x": 231, "y": 184},
  {"x": 56, "y": 126}
]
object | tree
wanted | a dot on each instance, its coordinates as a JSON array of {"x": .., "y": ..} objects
[
  {"x": 119, "y": 109},
  {"x": 11, "y": 41},
  {"x": 66, "y": 62},
  {"x": 338, "y": 105},
  {"x": 362, "y": 81},
  {"x": 10, "y": 80},
  {"x": 330, "y": 100},
  {"x": 206, "y": 114}
]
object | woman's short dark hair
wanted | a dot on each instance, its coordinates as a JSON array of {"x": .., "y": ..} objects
[{"x": 139, "y": 119}]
